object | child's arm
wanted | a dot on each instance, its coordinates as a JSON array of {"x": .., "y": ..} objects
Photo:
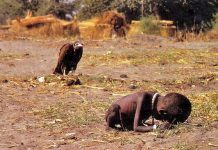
[{"x": 138, "y": 117}]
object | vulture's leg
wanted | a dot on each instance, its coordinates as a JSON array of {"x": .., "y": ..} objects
[
  {"x": 72, "y": 69},
  {"x": 71, "y": 72},
  {"x": 64, "y": 71}
]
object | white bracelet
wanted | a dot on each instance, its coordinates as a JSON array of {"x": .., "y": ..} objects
[{"x": 154, "y": 127}]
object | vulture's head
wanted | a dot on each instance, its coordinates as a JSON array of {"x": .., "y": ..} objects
[{"x": 78, "y": 46}]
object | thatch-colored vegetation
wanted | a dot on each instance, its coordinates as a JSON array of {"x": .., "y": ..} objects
[
  {"x": 44, "y": 25},
  {"x": 109, "y": 24}
]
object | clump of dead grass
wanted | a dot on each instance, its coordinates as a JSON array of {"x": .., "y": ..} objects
[{"x": 189, "y": 36}]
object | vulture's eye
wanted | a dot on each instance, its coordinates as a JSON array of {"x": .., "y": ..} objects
[{"x": 78, "y": 45}]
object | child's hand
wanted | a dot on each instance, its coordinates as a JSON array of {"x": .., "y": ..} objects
[{"x": 155, "y": 127}]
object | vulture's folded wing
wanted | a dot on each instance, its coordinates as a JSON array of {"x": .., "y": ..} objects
[{"x": 63, "y": 52}]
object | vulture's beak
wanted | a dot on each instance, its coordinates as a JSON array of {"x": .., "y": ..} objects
[{"x": 79, "y": 45}]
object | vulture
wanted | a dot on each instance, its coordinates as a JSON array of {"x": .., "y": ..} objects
[{"x": 69, "y": 56}]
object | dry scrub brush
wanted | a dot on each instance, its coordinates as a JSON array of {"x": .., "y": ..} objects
[{"x": 44, "y": 26}]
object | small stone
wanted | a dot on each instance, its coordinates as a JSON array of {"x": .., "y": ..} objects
[
  {"x": 52, "y": 92},
  {"x": 123, "y": 76},
  {"x": 5, "y": 81},
  {"x": 41, "y": 79},
  {"x": 80, "y": 74},
  {"x": 26, "y": 54},
  {"x": 109, "y": 52},
  {"x": 25, "y": 80},
  {"x": 199, "y": 62},
  {"x": 61, "y": 142},
  {"x": 34, "y": 78},
  {"x": 58, "y": 120},
  {"x": 11, "y": 65},
  {"x": 162, "y": 63},
  {"x": 199, "y": 125},
  {"x": 32, "y": 85},
  {"x": 132, "y": 86},
  {"x": 106, "y": 77},
  {"x": 52, "y": 83},
  {"x": 70, "y": 136},
  {"x": 161, "y": 136},
  {"x": 213, "y": 64},
  {"x": 73, "y": 82},
  {"x": 43, "y": 60},
  {"x": 78, "y": 82}
]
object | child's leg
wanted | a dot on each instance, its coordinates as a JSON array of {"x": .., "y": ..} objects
[{"x": 113, "y": 116}]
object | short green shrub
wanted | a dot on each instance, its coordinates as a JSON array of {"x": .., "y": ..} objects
[{"x": 149, "y": 26}]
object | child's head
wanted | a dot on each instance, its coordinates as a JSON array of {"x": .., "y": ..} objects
[{"x": 174, "y": 108}]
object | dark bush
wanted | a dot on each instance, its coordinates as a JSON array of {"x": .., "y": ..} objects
[
  {"x": 194, "y": 15},
  {"x": 60, "y": 9},
  {"x": 90, "y": 8},
  {"x": 131, "y": 9}
]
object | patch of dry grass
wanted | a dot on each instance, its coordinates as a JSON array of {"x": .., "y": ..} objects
[
  {"x": 203, "y": 79},
  {"x": 10, "y": 56},
  {"x": 174, "y": 56},
  {"x": 85, "y": 112},
  {"x": 74, "y": 114},
  {"x": 184, "y": 146},
  {"x": 205, "y": 105}
]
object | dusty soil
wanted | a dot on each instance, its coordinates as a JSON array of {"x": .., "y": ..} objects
[{"x": 51, "y": 115}]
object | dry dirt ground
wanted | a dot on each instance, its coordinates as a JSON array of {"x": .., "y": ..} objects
[{"x": 50, "y": 115}]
